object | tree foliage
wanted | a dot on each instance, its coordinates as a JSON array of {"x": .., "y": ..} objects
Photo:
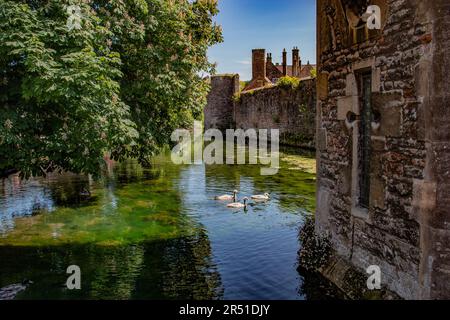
[{"x": 119, "y": 84}]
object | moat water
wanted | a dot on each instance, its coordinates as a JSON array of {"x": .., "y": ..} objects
[{"x": 157, "y": 233}]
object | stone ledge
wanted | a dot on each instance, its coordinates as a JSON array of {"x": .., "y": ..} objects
[{"x": 352, "y": 281}]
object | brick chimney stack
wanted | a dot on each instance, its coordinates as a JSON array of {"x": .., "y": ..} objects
[
  {"x": 259, "y": 78},
  {"x": 269, "y": 58},
  {"x": 295, "y": 62},
  {"x": 284, "y": 63},
  {"x": 259, "y": 64},
  {"x": 299, "y": 64}
]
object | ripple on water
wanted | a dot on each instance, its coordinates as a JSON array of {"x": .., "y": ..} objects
[{"x": 152, "y": 233}]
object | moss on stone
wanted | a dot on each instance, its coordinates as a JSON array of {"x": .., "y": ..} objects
[{"x": 316, "y": 249}]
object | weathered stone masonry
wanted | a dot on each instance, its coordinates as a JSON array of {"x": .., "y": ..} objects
[
  {"x": 218, "y": 112},
  {"x": 405, "y": 229},
  {"x": 290, "y": 110}
]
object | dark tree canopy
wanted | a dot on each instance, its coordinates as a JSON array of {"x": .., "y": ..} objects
[{"x": 119, "y": 84}]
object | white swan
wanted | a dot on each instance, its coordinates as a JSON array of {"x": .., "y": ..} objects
[
  {"x": 10, "y": 292},
  {"x": 259, "y": 197},
  {"x": 238, "y": 205},
  {"x": 228, "y": 197}
]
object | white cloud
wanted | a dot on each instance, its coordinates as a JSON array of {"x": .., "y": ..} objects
[{"x": 244, "y": 62}]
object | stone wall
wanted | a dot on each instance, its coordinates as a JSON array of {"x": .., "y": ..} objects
[
  {"x": 290, "y": 110},
  {"x": 406, "y": 229},
  {"x": 218, "y": 112}
]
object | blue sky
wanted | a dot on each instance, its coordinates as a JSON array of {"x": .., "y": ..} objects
[{"x": 269, "y": 24}]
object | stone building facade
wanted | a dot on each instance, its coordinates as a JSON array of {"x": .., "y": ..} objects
[{"x": 383, "y": 140}]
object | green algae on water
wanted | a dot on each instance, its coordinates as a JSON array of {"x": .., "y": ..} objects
[
  {"x": 144, "y": 205},
  {"x": 130, "y": 214}
]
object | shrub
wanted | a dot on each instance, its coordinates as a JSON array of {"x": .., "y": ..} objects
[
  {"x": 243, "y": 84},
  {"x": 288, "y": 82}
]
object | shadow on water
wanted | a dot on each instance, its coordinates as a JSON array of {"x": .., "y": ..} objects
[
  {"x": 157, "y": 233},
  {"x": 314, "y": 287},
  {"x": 170, "y": 269}
]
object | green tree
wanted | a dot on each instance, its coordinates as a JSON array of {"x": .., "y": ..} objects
[{"x": 121, "y": 83}]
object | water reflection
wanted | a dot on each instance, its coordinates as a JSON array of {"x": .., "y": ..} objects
[
  {"x": 169, "y": 269},
  {"x": 22, "y": 198},
  {"x": 157, "y": 233}
]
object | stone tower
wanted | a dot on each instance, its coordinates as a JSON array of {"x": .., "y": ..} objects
[{"x": 219, "y": 109}]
